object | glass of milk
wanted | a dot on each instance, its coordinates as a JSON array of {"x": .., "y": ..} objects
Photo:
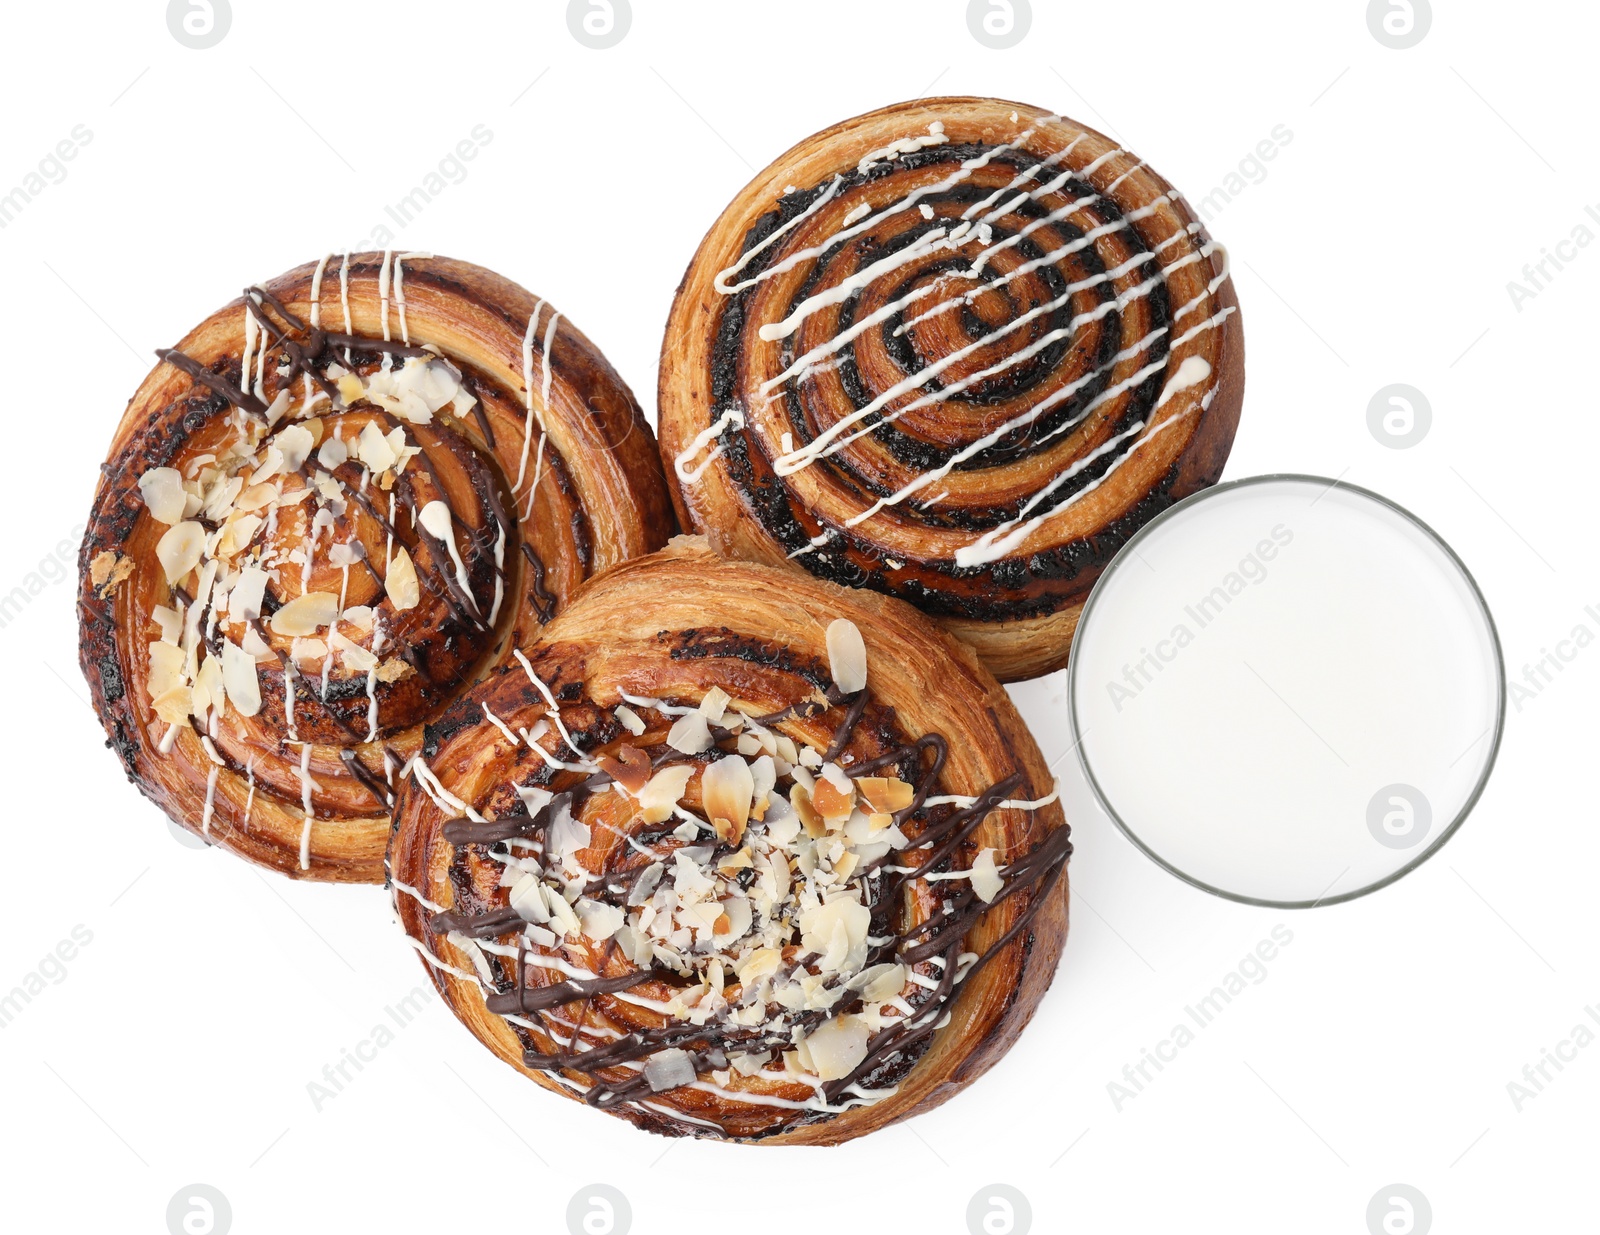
[{"x": 1287, "y": 690}]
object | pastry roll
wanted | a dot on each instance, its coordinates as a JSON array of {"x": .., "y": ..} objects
[
  {"x": 733, "y": 852},
  {"x": 332, "y": 507},
  {"x": 956, "y": 351}
]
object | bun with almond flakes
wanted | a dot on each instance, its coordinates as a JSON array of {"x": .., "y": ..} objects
[
  {"x": 336, "y": 504},
  {"x": 734, "y": 852}
]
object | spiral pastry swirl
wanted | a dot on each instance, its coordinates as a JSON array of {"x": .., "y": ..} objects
[
  {"x": 736, "y": 853},
  {"x": 957, "y": 351},
  {"x": 338, "y": 502}
]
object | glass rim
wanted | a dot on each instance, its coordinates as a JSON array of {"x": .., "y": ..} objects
[{"x": 1498, "y": 658}]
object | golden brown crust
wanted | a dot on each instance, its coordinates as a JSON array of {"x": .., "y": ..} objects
[
  {"x": 601, "y": 500},
  {"x": 671, "y": 627},
  {"x": 1086, "y": 451}
]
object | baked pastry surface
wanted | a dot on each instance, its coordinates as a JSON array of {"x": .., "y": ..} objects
[
  {"x": 335, "y": 504},
  {"x": 737, "y": 853},
  {"x": 957, "y": 351}
]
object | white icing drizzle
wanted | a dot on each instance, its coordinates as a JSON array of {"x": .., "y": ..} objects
[
  {"x": 499, "y": 573},
  {"x": 534, "y": 413},
  {"x": 1001, "y": 540},
  {"x": 306, "y": 785},
  {"x": 905, "y": 145},
  {"x": 555, "y": 708},
  {"x": 344, "y": 298},
  {"x": 430, "y": 906},
  {"x": 544, "y": 403},
  {"x": 957, "y": 799},
  {"x": 211, "y": 797},
  {"x": 442, "y": 797},
  {"x": 734, "y": 417},
  {"x": 499, "y": 724},
  {"x": 823, "y": 198},
  {"x": 383, "y": 292},
  {"x": 250, "y": 796},
  {"x": 1028, "y": 185},
  {"x": 445, "y": 966},
  {"x": 316, "y": 291},
  {"x": 400, "y": 292}
]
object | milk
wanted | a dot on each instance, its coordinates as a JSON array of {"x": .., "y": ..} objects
[{"x": 1287, "y": 691}]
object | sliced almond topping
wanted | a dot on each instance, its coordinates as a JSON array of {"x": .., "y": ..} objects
[
  {"x": 831, "y": 804},
  {"x": 401, "y": 582},
  {"x": 295, "y": 444},
  {"x": 239, "y": 677},
  {"x": 374, "y": 448},
  {"x": 244, "y": 601},
  {"x": 887, "y": 982},
  {"x": 237, "y": 533},
  {"x": 179, "y": 549},
  {"x": 726, "y": 788},
  {"x": 256, "y": 496},
  {"x": 170, "y": 621},
  {"x": 838, "y": 1046},
  {"x": 664, "y": 791},
  {"x": 209, "y": 690},
  {"x": 800, "y": 799},
  {"x": 333, "y": 452},
  {"x": 630, "y": 768},
  {"x": 885, "y": 794},
  {"x": 167, "y": 669},
  {"x": 305, "y": 614},
  {"x": 629, "y": 719},
  {"x": 714, "y": 705},
  {"x": 986, "y": 881},
  {"x": 355, "y": 658},
  {"x": 847, "y": 656},
  {"x": 164, "y": 498},
  {"x": 174, "y": 705},
  {"x": 111, "y": 570},
  {"x": 876, "y": 791},
  {"x": 690, "y": 734}
]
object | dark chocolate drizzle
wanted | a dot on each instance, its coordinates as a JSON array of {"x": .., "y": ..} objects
[{"x": 939, "y": 940}]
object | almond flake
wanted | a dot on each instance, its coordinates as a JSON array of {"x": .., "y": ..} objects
[
  {"x": 401, "y": 582},
  {"x": 800, "y": 799},
  {"x": 305, "y": 614},
  {"x": 837, "y": 1047},
  {"x": 164, "y": 498},
  {"x": 714, "y": 705},
  {"x": 831, "y": 804},
  {"x": 630, "y": 768},
  {"x": 179, "y": 549},
  {"x": 847, "y": 656},
  {"x": 240, "y": 679},
  {"x": 374, "y": 448},
  {"x": 669, "y": 1069},
  {"x": 690, "y": 734},
  {"x": 726, "y": 787},
  {"x": 663, "y": 792},
  {"x": 986, "y": 881}
]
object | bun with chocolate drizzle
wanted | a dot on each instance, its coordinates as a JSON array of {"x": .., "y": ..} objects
[
  {"x": 956, "y": 351},
  {"x": 732, "y": 852},
  {"x": 338, "y": 502}
]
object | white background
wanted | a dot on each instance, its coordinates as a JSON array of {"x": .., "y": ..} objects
[{"x": 1376, "y": 249}]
